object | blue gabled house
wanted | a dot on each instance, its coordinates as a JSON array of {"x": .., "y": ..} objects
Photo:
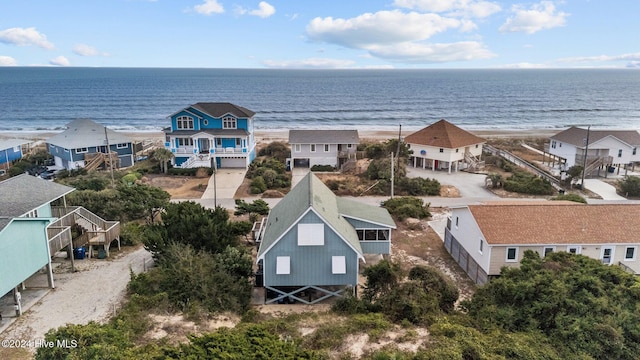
[
  {"x": 10, "y": 151},
  {"x": 312, "y": 243},
  {"x": 205, "y": 131},
  {"x": 88, "y": 144}
]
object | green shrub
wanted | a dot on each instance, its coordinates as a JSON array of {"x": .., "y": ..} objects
[
  {"x": 326, "y": 168},
  {"x": 188, "y": 171},
  {"x": 526, "y": 183},
  {"x": 131, "y": 233},
  {"x": 276, "y": 149},
  {"x": 570, "y": 197},
  {"x": 630, "y": 186},
  {"x": 419, "y": 186},
  {"x": 257, "y": 185},
  {"x": 404, "y": 207}
]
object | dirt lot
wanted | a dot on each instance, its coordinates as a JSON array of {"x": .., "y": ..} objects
[{"x": 179, "y": 187}]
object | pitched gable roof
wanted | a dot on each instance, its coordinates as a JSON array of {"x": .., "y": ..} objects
[
  {"x": 86, "y": 133},
  {"x": 219, "y": 109},
  {"x": 545, "y": 223},
  {"x": 310, "y": 194},
  {"x": 10, "y": 143},
  {"x": 445, "y": 135},
  {"x": 323, "y": 137},
  {"x": 23, "y": 193},
  {"x": 576, "y": 136}
]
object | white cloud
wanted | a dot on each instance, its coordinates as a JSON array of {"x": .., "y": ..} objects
[
  {"x": 7, "y": 61},
  {"x": 524, "y": 65},
  {"x": 623, "y": 57},
  {"x": 209, "y": 7},
  {"x": 471, "y": 8},
  {"x": 383, "y": 27},
  {"x": 59, "y": 61},
  {"x": 539, "y": 17},
  {"x": 264, "y": 10},
  {"x": 311, "y": 63},
  {"x": 25, "y": 37},
  {"x": 433, "y": 53},
  {"x": 87, "y": 50}
]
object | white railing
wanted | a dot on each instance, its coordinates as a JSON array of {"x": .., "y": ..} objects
[
  {"x": 229, "y": 150},
  {"x": 184, "y": 150}
]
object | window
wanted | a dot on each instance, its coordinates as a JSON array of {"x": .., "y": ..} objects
[
  {"x": 296, "y": 148},
  {"x": 81, "y": 150},
  {"x": 559, "y": 145},
  {"x": 607, "y": 255},
  {"x": 283, "y": 265},
  {"x": 238, "y": 142},
  {"x": 372, "y": 234},
  {"x": 32, "y": 214},
  {"x": 619, "y": 152},
  {"x": 574, "y": 249},
  {"x": 441, "y": 150},
  {"x": 218, "y": 142},
  {"x": 457, "y": 150},
  {"x": 553, "y": 144},
  {"x": 476, "y": 146},
  {"x": 338, "y": 265},
  {"x": 548, "y": 250},
  {"x": 457, "y": 220},
  {"x": 184, "y": 122},
  {"x": 313, "y": 147},
  {"x": 481, "y": 245},
  {"x": 512, "y": 254},
  {"x": 310, "y": 234},
  {"x": 205, "y": 122},
  {"x": 630, "y": 253},
  {"x": 229, "y": 122},
  {"x": 634, "y": 151},
  {"x": 326, "y": 147},
  {"x": 121, "y": 146},
  {"x": 185, "y": 142},
  {"x": 349, "y": 146}
]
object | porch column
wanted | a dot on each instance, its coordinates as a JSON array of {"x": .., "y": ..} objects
[
  {"x": 449, "y": 171},
  {"x": 433, "y": 165}
]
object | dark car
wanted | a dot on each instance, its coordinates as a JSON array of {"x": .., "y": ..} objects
[{"x": 49, "y": 174}]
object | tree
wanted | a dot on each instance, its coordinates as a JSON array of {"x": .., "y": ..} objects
[
  {"x": 141, "y": 201},
  {"x": 163, "y": 156},
  {"x": 258, "y": 206},
  {"x": 495, "y": 179},
  {"x": 404, "y": 207},
  {"x": 630, "y": 186}
]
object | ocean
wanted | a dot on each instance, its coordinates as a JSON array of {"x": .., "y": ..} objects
[{"x": 141, "y": 99}]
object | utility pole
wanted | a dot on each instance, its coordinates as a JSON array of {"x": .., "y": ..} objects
[
  {"x": 586, "y": 151},
  {"x": 214, "y": 166},
  {"x": 392, "y": 175},
  {"x": 106, "y": 137}
]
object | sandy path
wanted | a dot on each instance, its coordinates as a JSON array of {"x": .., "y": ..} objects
[{"x": 91, "y": 294}]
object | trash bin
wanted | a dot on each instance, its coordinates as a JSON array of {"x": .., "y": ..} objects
[
  {"x": 561, "y": 191},
  {"x": 612, "y": 169},
  {"x": 79, "y": 253},
  {"x": 102, "y": 254}
]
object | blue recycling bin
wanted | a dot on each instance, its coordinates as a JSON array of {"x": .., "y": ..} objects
[{"x": 79, "y": 253}]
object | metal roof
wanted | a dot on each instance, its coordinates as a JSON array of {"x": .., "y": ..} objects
[
  {"x": 23, "y": 193},
  {"x": 86, "y": 133}
]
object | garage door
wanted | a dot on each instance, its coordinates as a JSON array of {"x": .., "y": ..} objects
[
  {"x": 300, "y": 163},
  {"x": 233, "y": 162}
]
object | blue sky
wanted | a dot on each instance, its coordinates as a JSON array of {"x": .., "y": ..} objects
[{"x": 321, "y": 34}]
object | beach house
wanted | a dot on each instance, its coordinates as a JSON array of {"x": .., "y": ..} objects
[
  {"x": 444, "y": 146},
  {"x": 322, "y": 147},
  {"x": 312, "y": 243},
  {"x": 32, "y": 230},
  {"x": 484, "y": 238},
  {"x": 603, "y": 149},
  {"x": 87, "y": 144},
  {"x": 11, "y": 150},
  {"x": 210, "y": 134}
]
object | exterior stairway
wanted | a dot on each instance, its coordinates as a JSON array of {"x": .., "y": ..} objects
[
  {"x": 93, "y": 161},
  {"x": 97, "y": 231},
  {"x": 473, "y": 163}
]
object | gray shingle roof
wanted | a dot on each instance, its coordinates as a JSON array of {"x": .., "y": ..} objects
[
  {"x": 323, "y": 137},
  {"x": 359, "y": 211},
  {"x": 23, "y": 193},
  {"x": 86, "y": 133},
  {"x": 9, "y": 143},
  {"x": 218, "y": 109},
  {"x": 310, "y": 192},
  {"x": 576, "y": 136}
]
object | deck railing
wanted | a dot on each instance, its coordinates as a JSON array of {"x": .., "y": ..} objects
[{"x": 100, "y": 231}]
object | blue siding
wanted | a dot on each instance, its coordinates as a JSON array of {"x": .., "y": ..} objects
[
  {"x": 10, "y": 154},
  {"x": 376, "y": 247},
  {"x": 180, "y": 160},
  {"x": 311, "y": 265},
  {"x": 59, "y": 152}
]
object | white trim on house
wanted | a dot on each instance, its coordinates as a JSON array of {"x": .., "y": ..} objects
[
  {"x": 368, "y": 221},
  {"x": 507, "y": 258}
]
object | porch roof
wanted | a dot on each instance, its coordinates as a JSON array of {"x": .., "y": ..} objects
[{"x": 213, "y": 132}]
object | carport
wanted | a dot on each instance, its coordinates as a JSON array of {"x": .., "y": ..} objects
[{"x": 301, "y": 163}]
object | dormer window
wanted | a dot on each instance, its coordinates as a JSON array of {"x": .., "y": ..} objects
[
  {"x": 184, "y": 123},
  {"x": 229, "y": 122}
]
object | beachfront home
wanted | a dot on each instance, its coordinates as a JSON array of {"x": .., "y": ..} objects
[
  {"x": 202, "y": 132},
  {"x": 484, "y": 238},
  {"x": 87, "y": 144},
  {"x": 443, "y": 145},
  {"x": 32, "y": 230},
  {"x": 322, "y": 147},
  {"x": 605, "y": 148},
  {"x": 11, "y": 150},
  {"x": 312, "y": 243}
]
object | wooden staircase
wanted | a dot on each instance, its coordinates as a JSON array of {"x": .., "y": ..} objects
[
  {"x": 596, "y": 163},
  {"x": 474, "y": 164},
  {"x": 94, "y": 161}
]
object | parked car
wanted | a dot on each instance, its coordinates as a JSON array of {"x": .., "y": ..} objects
[{"x": 49, "y": 174}]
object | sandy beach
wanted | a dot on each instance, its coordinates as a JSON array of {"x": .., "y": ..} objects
[{"x": 266, "y": 136}]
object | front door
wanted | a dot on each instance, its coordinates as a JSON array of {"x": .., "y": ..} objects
[{"x": 203, "y": 144}]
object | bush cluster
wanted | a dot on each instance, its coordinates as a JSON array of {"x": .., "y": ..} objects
[
  {"x": 267, "y": 174},
  {"x": 419, "y": 186},
  {"x": 276, "y": 149},
  {"x": 630, "y": 186},
  {"x": 403, "y": 207},
  {"x": 526, "y": 183},
  {"x": 189, "y": 171},
  {"x": 321, "y": 168}
]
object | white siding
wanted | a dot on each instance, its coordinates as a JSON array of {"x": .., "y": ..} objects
[{"x": 469, "y": 235}]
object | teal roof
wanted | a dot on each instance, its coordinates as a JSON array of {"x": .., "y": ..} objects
[
  {"x": 359, "y": 211},
  {"x": 311, "y": 194}
]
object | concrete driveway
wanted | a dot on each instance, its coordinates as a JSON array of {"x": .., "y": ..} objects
[
  {"x": 470, "y": 185},
  {"x": 227, "y": 182},
  {"x": 604, "y": 190},
  {"x": 297, "y": 174}
]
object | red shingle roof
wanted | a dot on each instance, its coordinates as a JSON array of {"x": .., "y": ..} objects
[
  {"x": 445, "y": 135},
  {"x": 558, "y": 224}
]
